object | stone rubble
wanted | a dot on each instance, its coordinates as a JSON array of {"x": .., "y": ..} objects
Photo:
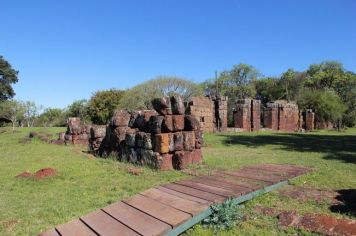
[{"x": 165, "y": 139}]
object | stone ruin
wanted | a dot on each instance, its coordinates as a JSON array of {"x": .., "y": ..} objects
[
  {"x": 282, "y": 116},
  {"x": 247, "y": 114},
  {"x": 164, "y": 139},
  {"x": 76, "y": 133},
  {"x": 210, "y": 111}
]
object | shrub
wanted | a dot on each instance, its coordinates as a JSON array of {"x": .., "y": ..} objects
[{"x": 224, "y": 216}]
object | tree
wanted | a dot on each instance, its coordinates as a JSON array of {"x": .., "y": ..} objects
[
  {"x": 12, "y": 110},
  {"x": 102, "y": 105},
  {"x": 8, "y": 76},
  {"x": 326, "y": 104},
  {"x": 269, "y": 89},
  {"x": 78, "y": 109},
  {"x": 31, "y": 112},
  {"x": 51, "y": 117},
  {"x": 140, "y": 96},
  {"x": 238, "y": 81}
]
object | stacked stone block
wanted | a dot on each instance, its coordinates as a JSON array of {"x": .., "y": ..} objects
[
  {"x": 76, "y": 132},
  {"x": 247, "y": 114},
  {"x": 165, "y": 138}
]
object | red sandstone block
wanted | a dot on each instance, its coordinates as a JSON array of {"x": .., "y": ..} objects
[
  {"x": 162, "y": 105},
  {"x": 171, "y": 142},
  {"x": 178, "y": 141},
  {"x": 191, "y": 123},
  {"x": 188, "y": 140},
  {"x": 181, "y": 160},
  {"x": 167, "y": 124},
  {"x": 197, "y": 157},
  {"x": 177, "y": 105},
  {"x": 178, "y": 122},
  {"x": 120, "y": 133},
  {"x": 164, "y": 162},
  {"x": 121, "y": 118},
  {"x": 139, "y": 139},
  {"x": 162, "y": 143},
  {"x": 199, "y": 141},
  {"x": 147, "y": 141},
  {"x": 155, "y": 124}
]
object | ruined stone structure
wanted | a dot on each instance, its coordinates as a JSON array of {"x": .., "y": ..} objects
[
  {"x": 211, "y": 112},
  {"x": 76, "y": 133},
  {"x": 247, "y": 114},
  {"x": 282, "y": 115},
  {"x": 309, "y": 120},
  {"x": 164, "y": 139}
]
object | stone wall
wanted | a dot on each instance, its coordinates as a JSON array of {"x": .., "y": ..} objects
[
  {"x": 282, "y": 115},
  {"x": 247, "y": 114},
  {"x": 165, "y": 139},
  {"x": 211, "y": 112}
]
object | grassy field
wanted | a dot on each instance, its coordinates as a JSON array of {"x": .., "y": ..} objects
[{"x": 85, "y": 183}]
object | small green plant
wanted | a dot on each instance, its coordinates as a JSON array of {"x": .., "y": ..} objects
[{"x": 224, "y": 216}]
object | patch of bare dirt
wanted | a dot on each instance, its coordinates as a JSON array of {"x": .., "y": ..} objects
[
  {"x": 318, "y": 223},
  {"x": 267, "y": 211},
  {"x": 307, "y": 194}
]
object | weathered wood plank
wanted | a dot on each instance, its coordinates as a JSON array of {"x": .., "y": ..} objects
[
  {"x": 142, "y": 223},
  {"x": 103, "y": 224},
  {"x": 75, "y": 228},
  {"x": 222, "y": 184},
  {"x": 185, "y": 196},
  {"x": 165, "y": 213},
  {"x": 208, "y": 188},
  {"x": 271, "y": 171},
  {"x": 255, "y": 183},
  {"x": 179, "y": 203},
  {"x": 195, "y": 192},
  {"x": 243, "y": 182},
  {"x": 251, "y": 176}
]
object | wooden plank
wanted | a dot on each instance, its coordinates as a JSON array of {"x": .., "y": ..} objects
[
  {"x": 208, "y": 188},
  {"x": 51, "y": 232},
  {"x": 75, "y": 228},
  {"x": 142, "y": 223},
  {"x": 278, "y": 168},
  {"x": 158, "y": 210},
  {"x": 195, "y": 192},
  {"x": 248, "y": 181},
  {"x": 103, "y": 224},
  {"x": 250, "y": 176},
  {"x": 272, "y": 171},
  {"x": 179, "y": 203},
  {"x": 290, "y": 167},
  {"x": 222, "y": 184},
  {"x": 263, "y": 175},
  {"x": 185, "y": 196}
]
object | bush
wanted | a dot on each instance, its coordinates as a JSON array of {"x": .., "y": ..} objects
[{"x": 224, "y": 216}]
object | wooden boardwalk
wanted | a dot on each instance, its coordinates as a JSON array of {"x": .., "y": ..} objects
[{"x": 171, "y": 209}]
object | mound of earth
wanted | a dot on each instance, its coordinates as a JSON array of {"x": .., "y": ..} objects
[
  {"x": 40, "y": 174},
  {"x": 44, "y": 173}
]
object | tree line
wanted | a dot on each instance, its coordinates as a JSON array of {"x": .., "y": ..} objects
[{"x": 327, "y": 88}]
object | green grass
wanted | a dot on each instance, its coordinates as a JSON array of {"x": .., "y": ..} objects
[{"x": 84, "y": 183}]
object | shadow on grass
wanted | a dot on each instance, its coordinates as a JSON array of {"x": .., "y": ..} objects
[
  {"x": 338, "y": 147},
  {"x": 348, "y": 205}
]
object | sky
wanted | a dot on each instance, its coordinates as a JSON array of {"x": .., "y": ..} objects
[{"x": 66, "y": 50}]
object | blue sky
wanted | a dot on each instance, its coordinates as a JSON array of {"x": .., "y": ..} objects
[{"x": 65, "y": 50}]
